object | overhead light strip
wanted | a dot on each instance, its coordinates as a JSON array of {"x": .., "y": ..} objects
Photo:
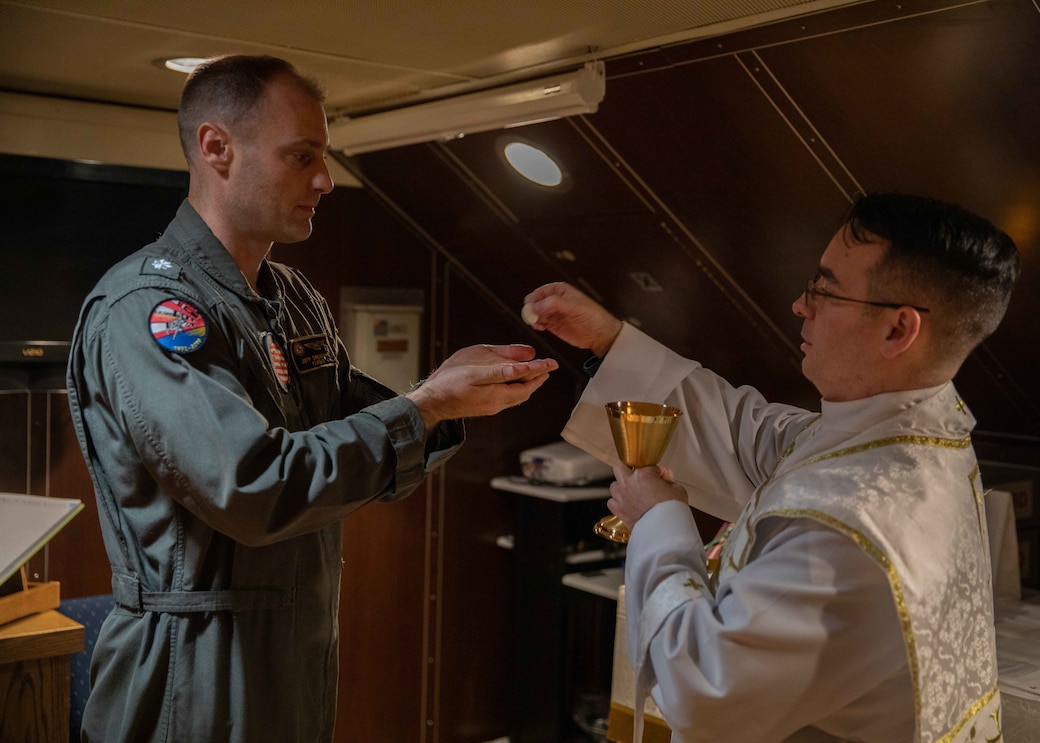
[{"x": 568, "y": 94}]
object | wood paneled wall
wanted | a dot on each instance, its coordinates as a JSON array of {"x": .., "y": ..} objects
[
  {"x": 42, "y": 457},
  {"x": 427, "y": 594},
  {"x": 721, "y": 168}
]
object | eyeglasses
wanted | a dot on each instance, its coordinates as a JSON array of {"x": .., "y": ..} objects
[{"x": 811, "y": 293}]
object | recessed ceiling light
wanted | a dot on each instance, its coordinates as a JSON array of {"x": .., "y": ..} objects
[
  {"x": 184, "y": 64},
  {"x": 533, "y": 164}
]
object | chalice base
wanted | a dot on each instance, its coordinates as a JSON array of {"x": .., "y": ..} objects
[{"x": 612, "y": 528}]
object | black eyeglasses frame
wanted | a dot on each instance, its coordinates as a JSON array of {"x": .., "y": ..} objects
[{"x": 811, "y": 292}]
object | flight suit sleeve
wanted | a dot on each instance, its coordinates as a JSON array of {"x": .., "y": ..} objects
[
  {"x": 441, "y": 443},
  {"x": 358, "y": 389},
  {"x": 191, "y": 422}
]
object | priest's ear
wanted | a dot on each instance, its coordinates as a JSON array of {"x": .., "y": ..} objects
[{"x": 903, "y": 329}]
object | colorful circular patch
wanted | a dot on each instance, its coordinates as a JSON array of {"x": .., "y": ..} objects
[
  {"x": 178, "y": 326},
  {"x": 281, "y": 369}
]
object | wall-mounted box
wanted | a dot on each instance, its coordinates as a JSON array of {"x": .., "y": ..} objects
[{"x": 382, "y": 330}]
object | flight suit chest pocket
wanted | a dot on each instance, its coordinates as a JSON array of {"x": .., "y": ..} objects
[
  {"x": 311, "y": 353},
  {"x": 296, "y": 379},
  {"x": 313, "y": 365}
]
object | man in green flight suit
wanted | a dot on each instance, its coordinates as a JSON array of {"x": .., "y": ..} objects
[{"x": 227, "y": 434}]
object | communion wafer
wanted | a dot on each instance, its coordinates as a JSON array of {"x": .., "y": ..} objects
[{"x": 529, "y": 315}]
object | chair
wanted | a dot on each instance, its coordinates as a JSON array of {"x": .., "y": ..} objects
[{"x": 89, "y": 611}]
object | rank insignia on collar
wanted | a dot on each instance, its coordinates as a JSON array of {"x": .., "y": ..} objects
[
  {"x": 278, "y": 365},
  {"x": 178, "y": 326},
  {"x": 160, "y": 266},
  {"x": 311, "y": 353}
]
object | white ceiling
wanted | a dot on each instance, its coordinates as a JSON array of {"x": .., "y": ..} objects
[{"x": 370, "y": 54}]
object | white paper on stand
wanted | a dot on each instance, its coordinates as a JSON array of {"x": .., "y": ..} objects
[{"x": 27, "y": 522}]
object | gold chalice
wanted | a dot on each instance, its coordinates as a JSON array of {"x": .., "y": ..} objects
[{"x": 641, "y": 433}]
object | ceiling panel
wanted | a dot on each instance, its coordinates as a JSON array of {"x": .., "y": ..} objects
[
  {"x": 370, "y": 54},
  {"x": 718, "y": 159}
]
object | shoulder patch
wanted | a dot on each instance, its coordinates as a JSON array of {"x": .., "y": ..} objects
[
  {"x": 178, "y": 326},
  {"x": 157, "y": 265}
]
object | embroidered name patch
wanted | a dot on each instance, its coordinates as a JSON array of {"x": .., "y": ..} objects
[
  {"x": 178, "y": 326},
  {"x": 312, "y": 352},
  {"x": 281, "y": 369}
]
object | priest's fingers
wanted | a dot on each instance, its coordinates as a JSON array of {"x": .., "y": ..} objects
[
  {"x": 634, "y": 492},
  {"x": 572, "y": 316}
]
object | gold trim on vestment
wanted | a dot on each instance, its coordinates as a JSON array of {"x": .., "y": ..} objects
[
  {"x": 868, "y": 546},
  {"x": 621, "y": 722},
  {"x": 937, "y": 441},
  {"x": 890, "y": 441},
  {"x": 975, "y": 708},
  {"x": 753, "y": 504},
  {"x": 861, "y": 539}
]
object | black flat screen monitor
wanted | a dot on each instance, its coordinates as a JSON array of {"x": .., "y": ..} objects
[{"x": 64, "y": 224}]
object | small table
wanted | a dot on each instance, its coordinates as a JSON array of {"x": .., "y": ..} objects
[
  {"x": 34, "y": 676},
  {"x": 556, "y": 638}
]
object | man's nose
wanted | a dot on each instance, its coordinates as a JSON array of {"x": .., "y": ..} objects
[
  {"x": 323, "y": 179},
  {"x": 800, "y": 306}
]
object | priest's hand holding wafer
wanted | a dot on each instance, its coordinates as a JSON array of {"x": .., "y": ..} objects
[{"x": 572, "y": 316}]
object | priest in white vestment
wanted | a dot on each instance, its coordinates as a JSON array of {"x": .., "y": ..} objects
[{"x": 854, "y": 598}]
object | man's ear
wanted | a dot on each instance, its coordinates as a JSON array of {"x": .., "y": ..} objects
[
  {"x": 214, "y": 147},
  {"x": 903, "y": 330}
]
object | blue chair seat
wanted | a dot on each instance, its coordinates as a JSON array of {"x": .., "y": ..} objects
[{"x": 89, "y": 611}]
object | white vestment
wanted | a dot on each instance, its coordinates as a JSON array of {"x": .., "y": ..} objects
[{"x": 854, "y": 598}]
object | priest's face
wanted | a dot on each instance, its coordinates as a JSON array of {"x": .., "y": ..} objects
[{"x": 841, "y": 334}]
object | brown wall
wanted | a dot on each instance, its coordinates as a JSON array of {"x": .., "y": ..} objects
[
  {"x": 40, "y": 456},
  {"x": 427, "y": 593}
]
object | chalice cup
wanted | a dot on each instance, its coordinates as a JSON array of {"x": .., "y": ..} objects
[{"x": 641, "y": 433}]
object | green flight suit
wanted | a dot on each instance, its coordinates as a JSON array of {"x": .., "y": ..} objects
[{"x": 227, "y": 436}]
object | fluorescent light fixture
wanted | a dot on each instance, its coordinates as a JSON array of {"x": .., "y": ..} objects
[{"x": 566, "y": 94}]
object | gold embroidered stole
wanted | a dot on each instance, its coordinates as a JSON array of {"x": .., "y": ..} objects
[{"x": 913, "y": 503}]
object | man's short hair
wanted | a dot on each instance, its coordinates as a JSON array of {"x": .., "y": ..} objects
[
  {"x": 941, "y": 256},
  {"x": 226, "y": 91}
]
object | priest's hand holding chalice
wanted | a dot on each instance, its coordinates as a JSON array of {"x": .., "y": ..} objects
[{"x": 641, "y": 432}]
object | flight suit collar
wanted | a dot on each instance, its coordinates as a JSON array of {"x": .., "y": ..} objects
[{"x": 190, "y": 231}]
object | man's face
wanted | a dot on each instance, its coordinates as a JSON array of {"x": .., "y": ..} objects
[
  {"x": 279, "y": 168},
  {"x": 841, "y": 339}
]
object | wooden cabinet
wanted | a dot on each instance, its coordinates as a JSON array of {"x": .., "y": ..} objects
[{"x": 34, "y": 676}]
